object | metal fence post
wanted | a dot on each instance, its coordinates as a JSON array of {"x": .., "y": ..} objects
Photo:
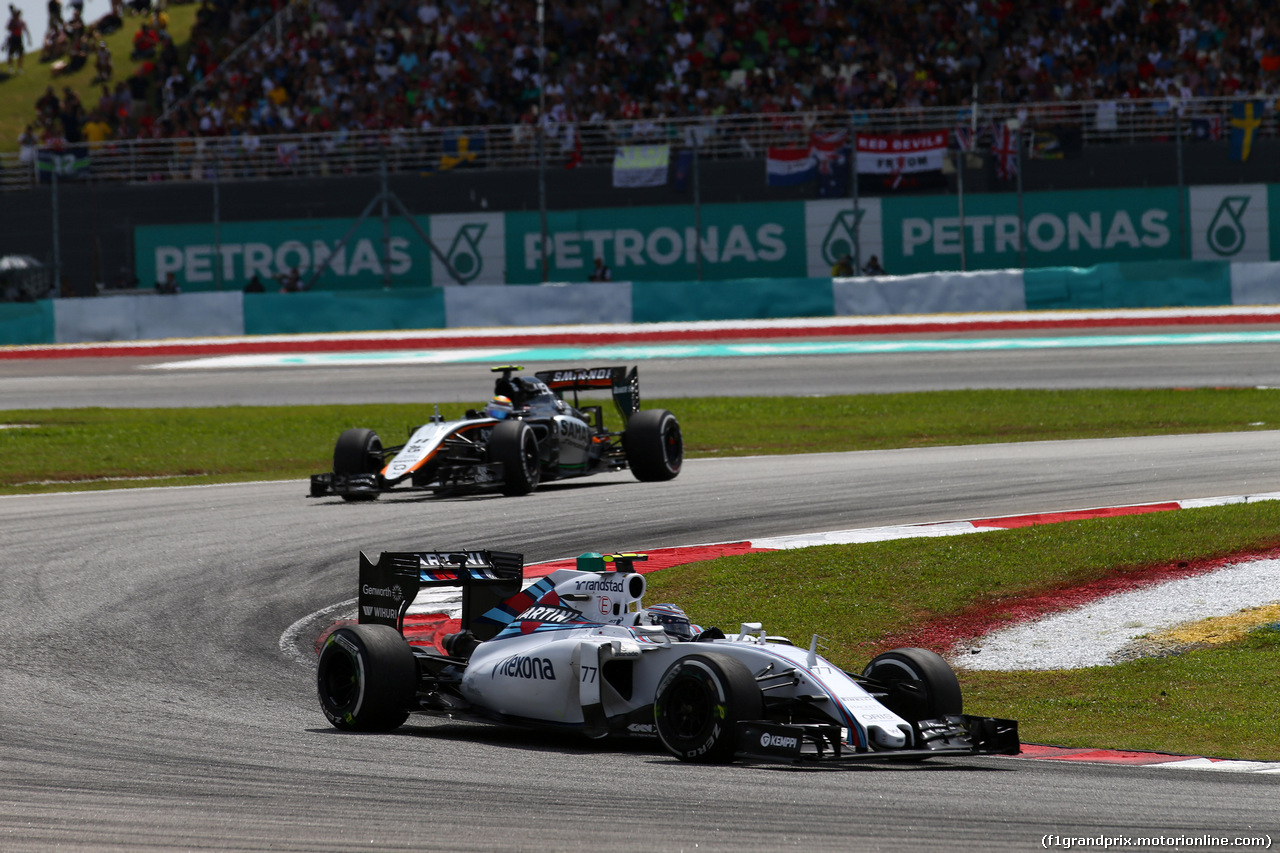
[
  {"x": 697, "y": 207},
  {"x": 57, "y": 250}
]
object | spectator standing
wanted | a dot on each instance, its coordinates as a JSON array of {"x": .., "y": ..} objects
[
  {"x": 291, "y": 281},
  {"x": 55, "y": 18},
  {"x": 873, "y": 267},
  {"x": 843, "y": 267},
  {"x": 17, "y": 28},
  {"x": 102, "y": 62},
  {"x": 48, "y": 105},
  {"x": 28, "y": 143},
  {"x": 72, "y": 116},
  {"x": 601, "y": 271},
  {"x": 96, "y": 130},
  {"x": 28, "y": 149}
]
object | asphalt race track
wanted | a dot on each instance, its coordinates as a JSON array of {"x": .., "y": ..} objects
[
  {"x": 130, "y": 381},
  {"x": 148, "y": 701}
]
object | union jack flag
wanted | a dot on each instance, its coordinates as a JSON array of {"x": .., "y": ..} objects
[
  {"x": 964, "y": 138},
  {"x": 1005, "y": 146}
]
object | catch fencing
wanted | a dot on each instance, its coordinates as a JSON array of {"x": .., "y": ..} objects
[{"x": 557, "y": 145}]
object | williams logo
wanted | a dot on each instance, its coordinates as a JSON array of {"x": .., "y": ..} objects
[
  {"x": 1226, "y": 232},
  {"x": 464, "y": 255}
]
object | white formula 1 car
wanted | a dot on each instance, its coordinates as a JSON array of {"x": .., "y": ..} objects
[
  {"x": 578, "y": 650},
  {"x": 535, "y": 436}
]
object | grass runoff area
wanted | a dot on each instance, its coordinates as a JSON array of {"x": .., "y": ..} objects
[{"x": 1215, "y": 701}]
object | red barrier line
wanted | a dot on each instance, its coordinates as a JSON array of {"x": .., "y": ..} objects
[
  {"x": 1100, "y": 756},
  {"x": 1014, "y": 521},
  {"x": 517, "y": 338}
]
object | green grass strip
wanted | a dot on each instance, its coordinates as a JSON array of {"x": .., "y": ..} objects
[{"x": 98, "y": 448}]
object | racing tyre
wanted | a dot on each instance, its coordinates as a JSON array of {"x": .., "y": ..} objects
[
  {"x": 654, "y": 448},
  {"x": 698, "y": 704},
  {"x": 919, "y": 684},
  {"x": 513, "y": 444},
  {"x": 367, "y": 679},
  {"x": 358, "y": 451}
]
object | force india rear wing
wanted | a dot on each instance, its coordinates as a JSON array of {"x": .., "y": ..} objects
[
  {"x": 389, "y": 586},
  {"x": 624, "y": 386}
]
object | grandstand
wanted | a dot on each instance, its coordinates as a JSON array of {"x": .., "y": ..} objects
[
  {"x": 307, "y": 94},
  {"x": 330, "y": 86}
]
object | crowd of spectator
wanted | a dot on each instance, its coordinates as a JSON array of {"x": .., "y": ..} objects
[{"x": 380, "y": 64}]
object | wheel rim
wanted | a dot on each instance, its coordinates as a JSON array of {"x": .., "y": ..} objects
[
  {"x": 529, "y": 455},
  {"x": 340, "y": 680},
  {"x": 688, "y": 709},
  {"x": 672, "y": 444}
]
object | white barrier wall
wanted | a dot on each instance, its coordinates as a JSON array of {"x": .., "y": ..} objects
[
  {"x": 1255, "y": 284},
  {"x": 147, "y": 316},
  {"x": 537, "y": 305},
  {"x": 931, "y": 293}
]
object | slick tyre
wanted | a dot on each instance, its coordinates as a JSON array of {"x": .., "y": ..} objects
[
  {"x": 698, "y": 704},
  {"x": 919, "y": 684},
  {"x": 367, "y": 679},
  {"x": 654, "y": 446},
  {"x": 358, "y": 451},
  {"x": 513, "y": 444}
]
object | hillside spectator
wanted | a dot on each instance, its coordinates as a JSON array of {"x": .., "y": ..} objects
[
  {"x": 96, "y": 130},
  {"x": 48, "y": 105},
  {"x": 72, "y": 116},
  {"x": 17, "y": 30},
  {"x": 102, "y": 64},
  {"x": 145, "y": 41},
  {"x": 28, "y": 146}
]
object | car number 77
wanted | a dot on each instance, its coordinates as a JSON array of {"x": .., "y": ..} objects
[{"x": 589, "y": 674}]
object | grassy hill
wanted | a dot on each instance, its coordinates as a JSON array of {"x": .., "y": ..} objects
[{"x": 19, "y": 93}]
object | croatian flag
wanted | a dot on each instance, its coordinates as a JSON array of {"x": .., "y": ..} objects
[{"x": 789, "y": 167}]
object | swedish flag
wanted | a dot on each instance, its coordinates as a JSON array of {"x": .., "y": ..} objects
[
  {"x": 460, "y": 149},
  {"x": 1246, "y": 118}
]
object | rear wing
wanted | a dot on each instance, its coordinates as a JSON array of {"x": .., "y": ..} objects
[
  {"x": 389, "y": 586},
  {"x": 624, "y": 386}
]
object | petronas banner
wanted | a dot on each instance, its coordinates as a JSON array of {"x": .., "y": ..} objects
[{"x": 794, "y": 239}]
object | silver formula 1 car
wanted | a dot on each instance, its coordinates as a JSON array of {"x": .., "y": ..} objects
[
  {"x": 578, "y": 650},
  {"x": 528, "y": 433}
]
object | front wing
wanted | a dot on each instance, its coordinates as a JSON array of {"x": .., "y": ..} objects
[
  {"x": 462, "y": 475},
  {"x": 957, "y": 734}
]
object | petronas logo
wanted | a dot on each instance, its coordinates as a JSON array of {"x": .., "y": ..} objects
[
  {"x": 1226, "y": 231},
  {"x": 464, "y": 253},
  {"x": 840, "y": 236}
]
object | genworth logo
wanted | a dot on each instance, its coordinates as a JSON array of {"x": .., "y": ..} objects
[{"x": 1229, "y": 223}]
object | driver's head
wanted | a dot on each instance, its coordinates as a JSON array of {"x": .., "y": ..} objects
[
  {"x": 671, "y": 619},
  {"x": 499, "y": 407}
]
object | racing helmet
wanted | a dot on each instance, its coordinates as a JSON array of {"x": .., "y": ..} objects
[
  {"x": 671, "y": 619},
  {"x": 499, "y": 407}
]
